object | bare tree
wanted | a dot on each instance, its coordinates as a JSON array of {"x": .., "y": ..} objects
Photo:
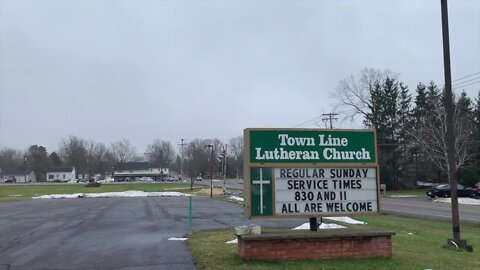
[
  {"x": 123, "y": 151},
  {"x": 90, "y": 145},
  {"x": 160, "y": 153},
  {"x": 354, "y": 92},
  {"x": 236, "y": 147},
  {"x": 74, "y": 152},
  {"x": 10, "y": 159},
  {"x": 432, "y": 137},
  {"x": 101, "y": 159},
  {"x": 197, "y": 155}
]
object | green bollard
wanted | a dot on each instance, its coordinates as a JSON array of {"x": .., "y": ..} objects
[{"x": 190, "y": 214}]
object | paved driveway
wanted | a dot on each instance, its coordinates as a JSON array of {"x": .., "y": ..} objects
[{"x": 109, "y": 233}]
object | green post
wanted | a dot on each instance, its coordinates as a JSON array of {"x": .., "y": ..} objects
[{"x": 190, "y": 214}]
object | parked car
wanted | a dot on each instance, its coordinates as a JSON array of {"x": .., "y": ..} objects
[
  {"x": 146, "y": 179},
  {"x": 172, "y": 179},
  {"x": 477, "y": 191},
  {"x": 199, "y": 178},
  {"x": 422, "y": 184},
  {"x": 443, "y": 190}
]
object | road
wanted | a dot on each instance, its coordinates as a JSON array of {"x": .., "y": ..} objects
[
  {"x": 110, "y": 233},
  {"x": 426, "y": 208},
  {"x": 413, "y": 207},
  {"x": 230, "y": 185}
]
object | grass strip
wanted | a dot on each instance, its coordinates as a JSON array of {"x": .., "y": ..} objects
[{"x": 418, "y": 244}]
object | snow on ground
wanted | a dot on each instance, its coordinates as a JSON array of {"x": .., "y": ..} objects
[
  {"x": 469, "y": 201},
  {"x": 345, "y": 220},
  {"x": 177, "y": 239},
  {"x": 124, "y": 194},
  {"x": 234, "y": 241},
  {"x": 235, "y": 198},
  {"x": 403, "y": 196},
  {"x": 306, "y": 226}
]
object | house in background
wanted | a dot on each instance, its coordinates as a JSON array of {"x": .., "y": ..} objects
[
  {"x": 61, "y": 174},
  {"x": 18, "y": 176},
  {"x": 133, "y": 171}
]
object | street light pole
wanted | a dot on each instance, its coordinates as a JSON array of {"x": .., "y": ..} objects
[{"x": 211, "y": 169}]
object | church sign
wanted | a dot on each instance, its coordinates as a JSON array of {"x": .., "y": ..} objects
[{"x": 310, "y": 172}]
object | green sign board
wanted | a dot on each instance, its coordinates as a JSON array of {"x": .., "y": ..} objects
[
  {"x": 308, "y": 172},
  {"x": 311, "y": 146}
]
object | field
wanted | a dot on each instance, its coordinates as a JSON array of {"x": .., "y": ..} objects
[
  {"x": 418, "y": 244},
  {"x": 22, "y": 192}
]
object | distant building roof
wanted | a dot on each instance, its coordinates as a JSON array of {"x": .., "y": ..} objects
[
  {"x": 61, "y": 169},
  {"x": 132, "y": 166}
]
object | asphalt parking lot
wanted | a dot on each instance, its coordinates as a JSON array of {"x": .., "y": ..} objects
[{"x": 110, "y": 233}]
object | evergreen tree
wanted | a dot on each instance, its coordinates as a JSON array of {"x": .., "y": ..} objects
[
  {"x": 374, "y": 117},
  {"x": 404, "y": 117},
  {"x": 55, "y": 159},
  {"x": 404, "y": 124},
  {"x": 37, "y": 160},
  {"x": 420, "y": 109}
]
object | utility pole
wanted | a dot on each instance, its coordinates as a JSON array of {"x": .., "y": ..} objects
[
  {"x": 450, "y": 136},
  {"x": 181, "y": 160},
  {"x": 330, "y": 117}
]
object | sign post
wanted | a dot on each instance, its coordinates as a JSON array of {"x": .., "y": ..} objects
[{"x": 310, "y": 172}]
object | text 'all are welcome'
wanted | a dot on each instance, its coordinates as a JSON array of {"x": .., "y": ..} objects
[{"x": 325, "y": 190}]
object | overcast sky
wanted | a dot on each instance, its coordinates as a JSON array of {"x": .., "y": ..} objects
[{"x": 106, "y": 70}]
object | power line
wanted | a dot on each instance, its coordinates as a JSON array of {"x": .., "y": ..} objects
[
  {"x": 466, "y": 85},
  {"x": 466, "y": 77},
  {"x": 459, "y": 79},
  {"x": 456, "y": 84},
  {"x": 306, "y": 122}
]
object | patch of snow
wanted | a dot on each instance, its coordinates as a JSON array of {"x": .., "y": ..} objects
[
  {"x": 306, "y": 226},
  {"x": 345, "y": 220},
  {"x": 469, "y": 201},
  {"x": 330, "y": 226},
  {"x": 124, "y": 194},
  {"x": 235, "y": 198},
  {"x": 60, "y": 196},
  {"x": 234, "y": 241},
  {"x": 403, "y": 196},
  {"x": 177, "y": 239}
]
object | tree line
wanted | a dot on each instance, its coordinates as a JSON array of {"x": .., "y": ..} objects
[
  {"x": 93, "y": 158},
  {"x": 411, "y": 128}
]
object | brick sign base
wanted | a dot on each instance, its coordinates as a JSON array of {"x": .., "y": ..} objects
[{"x": 324, "y": 244}]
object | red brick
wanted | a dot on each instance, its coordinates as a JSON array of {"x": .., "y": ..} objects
[{"x": 316, "y": 248}]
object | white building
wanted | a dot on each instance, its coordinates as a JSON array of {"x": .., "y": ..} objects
[
  {"x": 17, "y": 176},
  {"x": 61, "y": 174},
  {"x": 132, "y": 171}
]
